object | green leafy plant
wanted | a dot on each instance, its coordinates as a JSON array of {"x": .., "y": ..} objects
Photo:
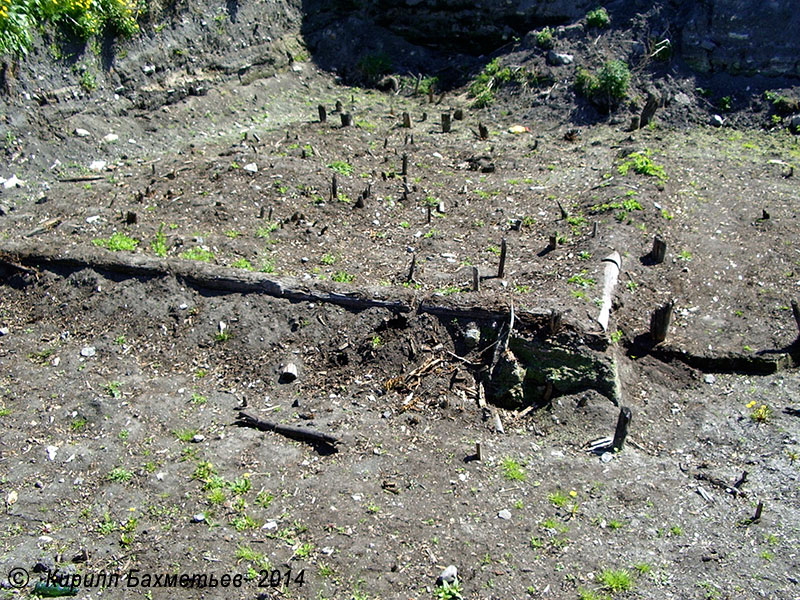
[
  {"x": 343, "y": 277},
  {"x": 598, "y": 17},
  {"x": 199, "y": 254},
  {"x": 544, "y": 39},
  {"x": 760, "y": 413},
  {"x": 159, "y": 244},
  {"x": 242, "y": 263},
  {"x": 616, "y": 580},
  {"x": 119, "y": 475},
  {"x": 513, "y": 470},
  {"x": 641, "y": 163},
  {"x": 608, "y": 86},
  {"x": 448, "y": 591},
  {"x": 342, "y": 167},
  {"x": 113, "y": 389},
  {"x": 118, "y": 241}
]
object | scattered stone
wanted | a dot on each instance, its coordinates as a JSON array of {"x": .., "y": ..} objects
[
  {"x": 270, "y": 525},
  {"x": 716, "y": 121},
  {"x": 93, "y": 219},
  {"x": 251, "y": 167},
  {"x": 449, "y": 575},
  {"x": 709, "y": 378},
  {"x": 97, "y": 165},
  {"x": 197, "y": 438},
  {"x": 504, "y": 514},
  {"x": 45, "y": 539},
  {"x": 198, "y": 518},
  {"x": 4, "y": 331},
  {"x": 559, "y": 59},
  {"x": 81, "y": 557},
  {"x": 148, "y": 69},
  {"x": 51, "y": 452},
  {"x": 111, "y": 138},
  {"x": 43, "y": 567},
  {"x": 472, "y": 336},
  {"x": 441, "y": 207},
  {"x": 88, "y": 351},
  {"x": 3, "y": 210},
  {"x": 81, "y": 132},
  {"x": 289, "y": 373},
  {"x": 12, "y": 181},
  {"x": 607, "y": 457}
]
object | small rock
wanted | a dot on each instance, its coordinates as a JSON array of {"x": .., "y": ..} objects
[
  {"x": 3, "y": 210},
  {"x": 289, "y": 373},
  {"x": 197, "y": 438},
  {"x": 56, "y": 361},
  {"x": 4, "y": 331},
  {"x": 81, "y": 557},
  {"x": 97, "y": 165},
  {"x": 148, "y": 69},
  {"x": 45, "y": 539},
  {"x": 13, "y": 181},
  {"x": 327, "y": 550},
  {"x": 441, "y": 207},
  {"x": 160, "y": 475},
  {"x": 472, "y": 336},
  {"x": 111, "y": 138},
  {"x": 716, "y": 121},
  {"x": 81, "y": 132},
  {"x": 449, "y": 575},
  {"x": 558, "y": 59},
  {"x": 51, "y": 452},
  {"x": 709, "y": 378},
  {"x": 88, "y": 351},
  {"x": 270, "y": 525},
  {"x": 198, "y": 518},
  {"x": 93, "y": 219},
  {"x": 251, "y": 167},
  {"x": 607, "y": 457},
  {"x": 504, "y": 514}
]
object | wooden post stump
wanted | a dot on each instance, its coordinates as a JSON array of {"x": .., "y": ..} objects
[
  {"x": 404, "y": 167},
  {"x": 323, "y": 115},
  {"x": 446, "y": 122},
  {"x": 649, "y": 110},
  {"x": 406, "y": 120},
  {"x": 660, "y": 320},
  {"x": 458, "y": 114},
  {"x": 659, "y": 250},
  {"x": 552, "y": 242},
  {"x": 339, "y": 106},
  {"x": 796, "y": 314},
  {"x": 502, "y": 268},
  {"x": 334, "y": 187},
  {"x": 347, "y": 119},
  {"x": 476, "y": 280},
  {"x": 623, "y": 422},
  {"x": 483, "y": 132}
]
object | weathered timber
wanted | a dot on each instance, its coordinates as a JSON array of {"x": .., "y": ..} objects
[
  {"x": 501, "y": 269},
  {"x": 406, "y": 120},
  {"x": 796, "y": 314},
  {"x": 649, "y": 110},
  {"x": 323, "y": 114},
  {"x": 621, "y": 432},
  {"x": 347, "y": 119},
  {"x": 296, "y": 433},
  {"x": 659, "y": 322},
  {"x": 613, "y": 265},
  {"x": 483, "y": 132},
  {"x": 659, "y": 250},
  {"x": 446, "y": 122}
]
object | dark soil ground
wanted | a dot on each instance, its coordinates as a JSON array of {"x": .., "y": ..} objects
[{"x": 119, "y": 393}]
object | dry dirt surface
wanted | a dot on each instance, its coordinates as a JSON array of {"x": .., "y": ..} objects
[{"x": 150, "y": 302}]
